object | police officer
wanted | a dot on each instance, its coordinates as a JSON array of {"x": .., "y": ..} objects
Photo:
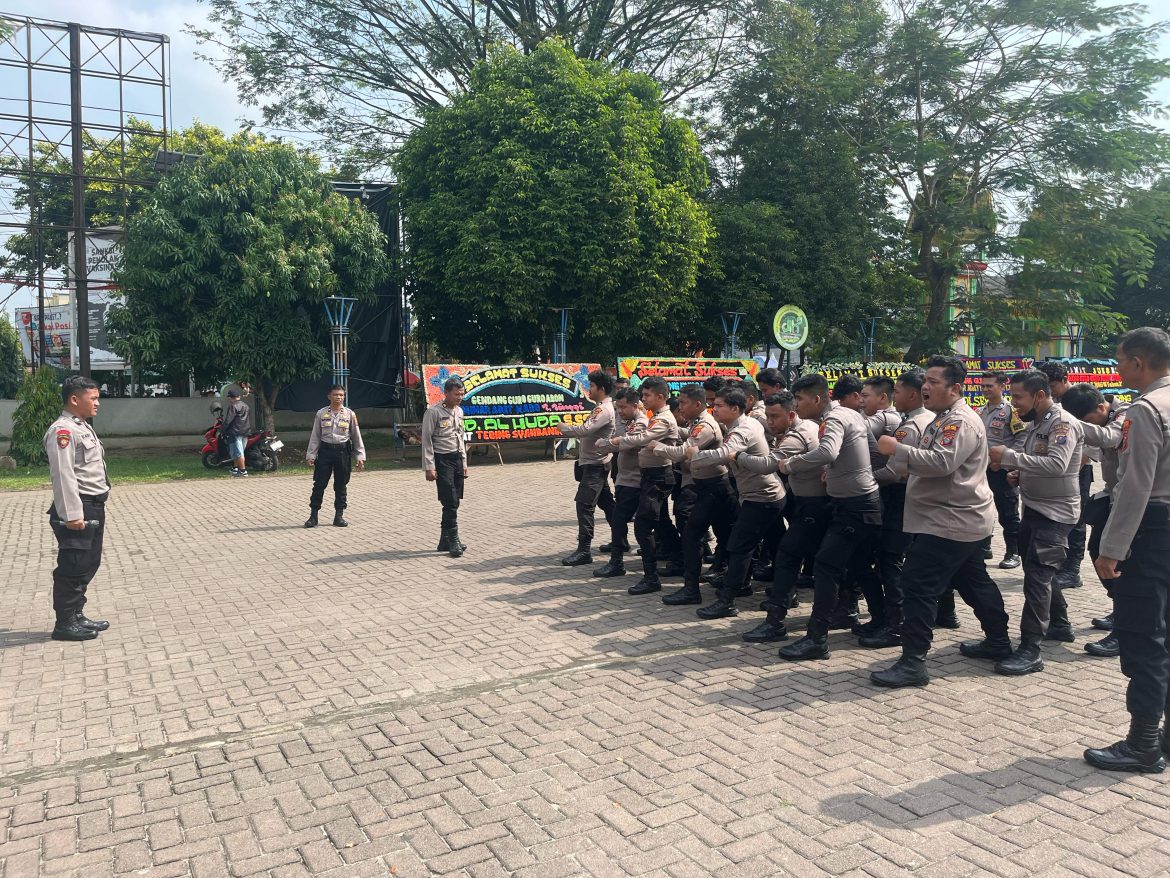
[
  {"x": 631, "y": 421},
  {"x": 1069, "y": 574},
  {"x": 592, "y": 465},
  {"x": 843, "y": 455},
  {"x": 713, "y": 505},
  {"x": 1004, "y": 427},
  {"x": 334, "y": 442},
  {"x": 77, "y": 466},
  {"x": 792, "y": 435},
  {"x": 761, "y": 496},
  {"x": 444, "y": 460},
  {"x": 1135, "y": 555},
  {"x": 950, "y": 511},
  {"x": 1046, "y": 470}
]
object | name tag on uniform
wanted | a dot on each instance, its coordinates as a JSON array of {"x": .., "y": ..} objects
[
  {"x": 997, "y": 423},
  {"x": 446, "y": 422}
]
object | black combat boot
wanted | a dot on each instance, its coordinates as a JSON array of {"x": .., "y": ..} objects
[
  {"x": 1059, "y": 628},
  {"x": 69, "y": 628},
  {"x": 311, "y": 521},
  {"x": 455, "y": 547},
  {"x": 578, "y": 558},
  {"x": 763, "y": 573},
  {"x": 645, "y": 585},
  {"x": 1068, "y": 577},
  {"x": 1141, "y": 751},
  {"x": 1107, "y": 647},
  {"x": 672, "y": 569},
  {"x": 1166, "y": 733},
  {"x": 1010, "y": 561},
  {"x": 771, "y": 630},
  {"x": 988, "y": 648},
  {"x": 92, "y": 624},
  {"x": 1025, "y": 660},
  {"x": 873, "y": 626},
  {"x": 722, "y": 607},
  {"x": 946, "y": 617},
  {"x": 810, "y": 647},
  {"x": 613, "y": 567},
  {"x": 339, "y": 519},
  {"x": 909, "y": 670},
  {"x": 1103, "y": 623},
  {"x": 885, "y": 638},
  {"x": 713, "y": 573},
  {"x": 607, "y": 549},
  {"x": 688, "y": 594}
]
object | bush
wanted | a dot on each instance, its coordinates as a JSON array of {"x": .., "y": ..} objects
[
  {"x": 11, "y": 360},
  {"x": 40, "y": 404}
]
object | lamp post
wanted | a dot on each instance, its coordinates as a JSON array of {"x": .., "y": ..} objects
[
  {"x": 1076, "y": 333},
  {"x": 731, "y": 320},
  {"x": 561, "y": 339},
  {"x": 868, "y": 338},
  {"x": 339, "y": 309}
]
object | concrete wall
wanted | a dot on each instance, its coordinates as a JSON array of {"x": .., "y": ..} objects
[{"x": 184, "y": 417}]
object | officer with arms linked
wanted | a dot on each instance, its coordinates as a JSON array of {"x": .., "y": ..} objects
[
  {"x": 1135, "y": 554},
  {"x": 77, "y": 465}
]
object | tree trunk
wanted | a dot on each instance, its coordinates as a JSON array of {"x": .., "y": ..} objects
[
  {"x": 938, "y": 283},
  {"x": 266, "y": 400}
]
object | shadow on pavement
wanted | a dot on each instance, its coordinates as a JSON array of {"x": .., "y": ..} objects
[
  {"x": 389, "y": 555},
  {"x": 9, "y": 639},
  {"x": 264, "y": 529}
]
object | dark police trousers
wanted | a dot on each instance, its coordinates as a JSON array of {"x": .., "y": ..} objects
[
  {"x": 449, "y": 478},
  {"x": 1141, "y": 616},
  {"x": 1007, "y": 506},
  {"x": 625, "y": 507},
  {"x": 592, "y": 491},
  {"x": 714, "y": 508},
  {"x": 808, "y": 524},
  {"x": 933, "y": 565},
  {"x": 79, "y": 555},
  {"x": 1077, "y": 536},
  {"x": 1043, "y": 547},
  {"x": 880, "y": 574},
  {"x": 653, "y": 528},
  {"x": 333, "y": 459},
  {"x": 751, "y": 524},
  {"x": 855, "y": 529}
]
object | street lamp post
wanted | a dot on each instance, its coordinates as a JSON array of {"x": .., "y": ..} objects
[
  {"x": 731, "y": 320},
  {"x": 339, "y": 309},
  {"x": 868, "y": 338},
  {"x": 1076, "y": 333}
]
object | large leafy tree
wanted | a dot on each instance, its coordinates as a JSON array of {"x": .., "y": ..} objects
[
  {"x": 232, "y": 260},
  {"x": 979, "y": 112},
  {"x": 11, "y": 359},
  {"x": 358, "y": 71},
  {"x": 554, "y": 182}
]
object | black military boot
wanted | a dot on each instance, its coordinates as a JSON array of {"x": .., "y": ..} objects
[
  {"x": 808, "y": 648},
  {"x": 455, "y": 547},
  {"x": 909, "y": 670},
  {"x": 1059, "y": 628},
  {"x": 873, "y": 626},
  {"x": 577, "y": 558},
  {"x": 311, "y": 521},
  {"x": 1141, "y": 751},
  {"x": 1025, "y": 660},
  {"x": 1107, "y": 647},
  {"x": 771, "y": 630},
  {"x": 688, "y": 594},
  {"x": 672, "y": 568},
  {"x": 946, "y": 617},
  {"x": 763, "y": 573},
  {"x": 68, "y": 628},
  {"x": 722, "y": 607},
  {"x": 885, "y": 638},
  {"x": 1103, "y": 623},
  {"x": 1068, "y": 578},
  {"x": 613, "y": 567},
  {"x": 645, "y": 585},
  {"x": 444, "y": 542},
  {"x": 339, "y": 519},
  {"x": 1010, "y": 561},
  {"x": 713, "y": 573},
  {"x": 607, "y": 549},
  {"x": 988, "y": 648},
  {"x": 92, "y": 624},
  {"x": 1166, "y": 733}
]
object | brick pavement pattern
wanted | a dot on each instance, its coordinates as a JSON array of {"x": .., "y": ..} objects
[{"x": 281, "y": 702}]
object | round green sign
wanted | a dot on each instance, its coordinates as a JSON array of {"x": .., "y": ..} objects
[{"x": 790, "y": 327}]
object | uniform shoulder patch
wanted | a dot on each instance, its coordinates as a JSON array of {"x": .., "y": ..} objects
[
  {"x": 1124, "y": 446},
  {"x": 1059, "y": 434},
  {"x": 696, "y": 431},
  {"x": 1017, "y": 425},
  {"x": 900, "y": 433},
  {"x": 949, "y": 432},
  {"x": 63, "y": 438}
]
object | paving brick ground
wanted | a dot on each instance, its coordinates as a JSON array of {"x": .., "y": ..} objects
[{"x": 272, "y": 701}]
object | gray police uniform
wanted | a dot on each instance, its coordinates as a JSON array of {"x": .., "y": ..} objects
[
  {"x": 1004, "y": 427},
  {"x": 627, "y": 485},
  {"x": 445, "y": 452},
  {"x": 655, "y": 532},
  {"x": 335, "y": 440},
  {"x": 1138, "y": 535},
  {"x": 1048, "y": 466},
  {"x": 592, "y": 470},
  {"x": 1104, "y": 440},
  {"x": 77, "y": 466}
]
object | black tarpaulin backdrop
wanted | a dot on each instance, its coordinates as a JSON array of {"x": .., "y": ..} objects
[{"x": 376, "y": 360}]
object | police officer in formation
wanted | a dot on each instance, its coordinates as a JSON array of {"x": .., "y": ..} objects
[
  {"x": 1004, "y": 427},
  {"x": 591, "y": 468},
  {"x": 334, "y": 443},
  {"x": 444, "y": 460}
]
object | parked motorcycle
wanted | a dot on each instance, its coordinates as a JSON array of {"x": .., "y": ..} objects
[{"x": 259, "y": 450}]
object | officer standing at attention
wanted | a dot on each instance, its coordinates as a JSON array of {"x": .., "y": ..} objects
[
  {"x": 336, "y": 440},
  {"x": 592, "y": 465},
  {"x": 77, "y": 466},
  {"x": 1135, "y": 555},
  {"x": 950, "y": 511},
  {"x": 843, "y": 454},
  {"x": 1046, "y": 470},
  {"x": 444, "y": 460},
  {"x": 1004, "y": 427}
]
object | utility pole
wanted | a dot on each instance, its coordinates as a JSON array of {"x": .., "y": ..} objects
[{"x": 80, "y": 242}]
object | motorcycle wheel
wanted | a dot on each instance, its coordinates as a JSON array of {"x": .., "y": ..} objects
[
  {"x": 271, "y": 462},
  {"x": 209, "y": 460}
]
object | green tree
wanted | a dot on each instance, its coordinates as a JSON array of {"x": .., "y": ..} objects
[
  {"x": 553, "y": 183},
  {"x": 231, "y": 262},
  {"x": 979, "y": 112},
  {"x": 11, "y": 359},
  {"x": 359, "y": 71},
  {"x": 39, "y": 405}
]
